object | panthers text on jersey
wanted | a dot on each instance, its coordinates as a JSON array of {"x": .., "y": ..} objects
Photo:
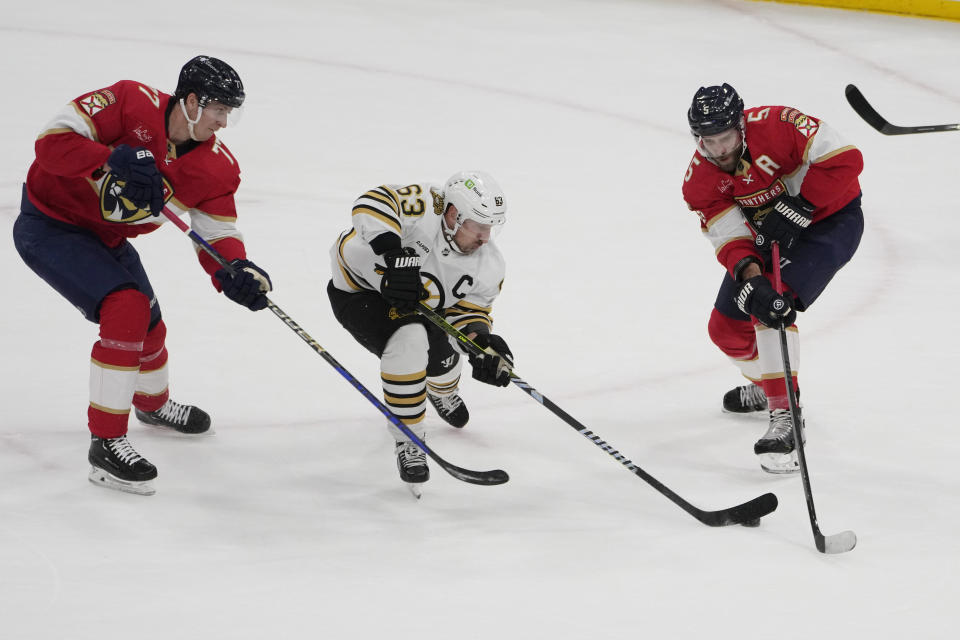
[
  {"x": 462, "y": 287},
  {"x": 66, "y": 180},
  {"x": 787, "y": 152}
]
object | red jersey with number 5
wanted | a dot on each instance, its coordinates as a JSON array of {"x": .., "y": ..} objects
[{"x": 787, "y": 152}]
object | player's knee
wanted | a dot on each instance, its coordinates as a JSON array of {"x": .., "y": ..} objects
[
  {"x": 734, "y": 337},
  {"x": 408, "y": 343},
  {"x": 125, "y": 315}
]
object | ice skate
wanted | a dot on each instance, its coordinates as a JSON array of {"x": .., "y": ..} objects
[
  {"x": 412, "y": 464},
  {"x": 776, "y": 449},
  {"x": 745, "y": 399},
  {"x": 178, "y": 417},
  {"x": 451, "y": 408},
  {"x": 116, "y": 464}
]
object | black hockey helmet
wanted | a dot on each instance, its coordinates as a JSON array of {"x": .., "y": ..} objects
[
  {"x": 714, "y": 110},
  {"x": 210, "y": 79}
]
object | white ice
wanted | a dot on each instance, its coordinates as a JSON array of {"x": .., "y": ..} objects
[{"x": 290, "y": 521}]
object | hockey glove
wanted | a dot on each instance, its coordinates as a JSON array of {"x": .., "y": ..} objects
[
  {"x": 247, "y": 285},
  {"x": 142, "y": 182},
  {"x": 789, "y": 217},
  {"x": 494, "y": 364},
  {"x": 757, "y": 298},
  {"x": 400, "y": 285}
]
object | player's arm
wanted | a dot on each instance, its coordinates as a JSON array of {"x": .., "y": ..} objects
[
  {"x": 74, "y": 143},
  {"x": 834, "y": 164},
  {"x": 722, "y": 223}
]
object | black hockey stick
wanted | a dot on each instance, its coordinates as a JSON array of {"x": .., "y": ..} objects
[
  {"x": 838, "y": 542},
  {"x": 878, "y": 122},
  {"x": 492, "y": 477},
  {"x": 740, "y": 514}
]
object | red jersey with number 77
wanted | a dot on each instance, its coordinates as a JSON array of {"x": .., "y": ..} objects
[{"x": 66, "y": 181}]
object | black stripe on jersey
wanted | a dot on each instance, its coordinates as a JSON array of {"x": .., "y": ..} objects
[
  {"x": 380, "y": 204},
  {"x": 352, "y": 278}
]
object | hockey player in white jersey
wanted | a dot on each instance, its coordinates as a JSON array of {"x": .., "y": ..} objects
[{"x": 423, "y": 242}]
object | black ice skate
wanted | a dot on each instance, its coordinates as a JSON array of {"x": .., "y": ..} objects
[
  {"x": 451, "y": 408},
  {"x": 179, "y": 417},
  {"x": 777, "y": 449},
  {"x": 412, "y": 463},
  {"x": 745, "y": 399},
  {"x": 116, "y": 464}
]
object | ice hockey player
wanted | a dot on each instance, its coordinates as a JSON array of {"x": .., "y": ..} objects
[
  {"x": 762, "y": 175},
  {"x": 423, "y": 242},
  {"x": 105, "y": 167}
]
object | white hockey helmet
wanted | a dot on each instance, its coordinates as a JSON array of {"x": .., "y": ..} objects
[{"x": 477, "y": 197}]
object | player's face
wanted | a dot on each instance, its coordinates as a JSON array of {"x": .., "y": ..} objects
[
  {"x": 723, "y": 148},
  {"x": 471, "y": 235},
  {"x": 213, "y": 118}
]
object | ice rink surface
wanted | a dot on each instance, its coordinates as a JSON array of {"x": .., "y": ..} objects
[{"x": 290, "y": 521}]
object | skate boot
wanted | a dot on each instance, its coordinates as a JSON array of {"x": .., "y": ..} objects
[
  {"x": 115, "y": 464},
  {"x": 745, "y": 399},
  {"x": 451, "y": 408},
  {"x": 179, "y": 417},
  {"x": 776, "y": 449},
  {"x": 412, "y": 463}
]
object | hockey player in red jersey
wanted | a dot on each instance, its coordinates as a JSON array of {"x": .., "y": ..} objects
[
  {"x": 105, "y": 167},
  {"x": 762, "y": 175}
]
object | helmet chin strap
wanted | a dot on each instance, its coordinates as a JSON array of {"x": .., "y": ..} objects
[
  {"x": 448, "y": 235},
  {"x": 191, "y": 123}
]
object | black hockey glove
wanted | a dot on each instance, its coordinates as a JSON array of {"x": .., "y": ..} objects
[
  {"x": 494, "y": 364},
  {"x": 248, "y": 285},
  {"x": 789, "y": 217},
  {"x": 757, "y": 298},
  {"x": 142, "y": 182},
  {"x": 400, "y": 285}
]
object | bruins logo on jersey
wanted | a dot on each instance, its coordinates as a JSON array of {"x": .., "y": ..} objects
[{"x": 114, "y": 207}]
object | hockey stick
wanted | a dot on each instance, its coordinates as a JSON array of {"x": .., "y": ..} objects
[
  {"x": 878, "y": 122},
  {"x": 839, "y": 542},
  {"x": 492, "y": 477},
  {"x": 743, "y": 513}
]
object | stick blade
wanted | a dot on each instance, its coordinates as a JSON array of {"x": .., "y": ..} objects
[
  {"x": 864, "y": 110},
  {"x": 837, "y": 543},
  {"x": 740, "y": 514},
  {"x": 484, "y": 478}
]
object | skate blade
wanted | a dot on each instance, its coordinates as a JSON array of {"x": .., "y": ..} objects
[
  {"x": 415, "y": 489},
  {"x": 102, "y": 478},
  {"x": 779, "y": 463}
]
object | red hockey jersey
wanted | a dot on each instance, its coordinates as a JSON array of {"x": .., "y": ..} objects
[
  {"x": 67, "y": 183},
  {"x": 787, "y": 152}
]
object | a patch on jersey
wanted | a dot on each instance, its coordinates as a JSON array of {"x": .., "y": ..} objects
[
  {"x": 437, "y": 202},
  {"x": 97, "y": 102},
  {"x": 806, "y": 126},
  {"x": 116, "y": 208},
  {"x": 762, "y": 198},
  {"x": 143, "y": 134},
  {"x": 789, "y": 115},
  {"x": 726, "y": 184}
]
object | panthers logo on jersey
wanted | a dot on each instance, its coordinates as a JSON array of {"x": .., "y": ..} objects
[{"x": 114, "y": 207}]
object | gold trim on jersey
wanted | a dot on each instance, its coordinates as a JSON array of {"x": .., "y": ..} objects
[
  {"x": 393, "y": 223},
  {"x": 715, "y": 219},
  {"x": 833, "y": 153},
  {"x": 57, "y": 131},
  {"x": 352, "y": 279},
  {"x": 87, "y": 119}
]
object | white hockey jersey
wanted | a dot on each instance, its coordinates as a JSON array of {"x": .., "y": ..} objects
[{"x": 462, "y": 287}]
